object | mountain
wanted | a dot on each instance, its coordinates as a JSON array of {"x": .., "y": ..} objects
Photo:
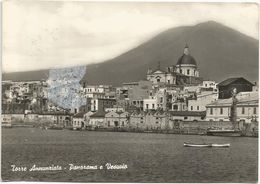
[
  {"x": 220, "y": 52},
  {"x": 27, "y": 75}
]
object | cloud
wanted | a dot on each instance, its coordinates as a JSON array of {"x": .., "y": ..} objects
[{"x": 47, "y": 34}]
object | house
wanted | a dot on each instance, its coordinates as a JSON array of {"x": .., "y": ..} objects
[
  {"x": 137, "y": 91},
  {"x": 78, "y": 121},
  {"x": 100, "y": 104},
  {"x": 137, "y": 120},
  {"x": 156, "y": 120},
  {"x": 96, "y": 120},
  {"x": 241, "y": 84},
  {"x": 201, "y": 100},
  {"x": 116, "y": 119},
  {"x": 150, "y": 104},
  {"x": 87, "y": 118},
  {"x": 247, "y": 108}
]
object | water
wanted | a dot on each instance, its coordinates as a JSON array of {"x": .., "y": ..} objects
[{"x": 149, "y": 157}]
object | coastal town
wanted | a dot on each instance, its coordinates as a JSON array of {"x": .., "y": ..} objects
[{"x": 175, "y": 99}]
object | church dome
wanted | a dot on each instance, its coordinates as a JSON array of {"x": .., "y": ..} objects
[{"x": 186, "y": 58}]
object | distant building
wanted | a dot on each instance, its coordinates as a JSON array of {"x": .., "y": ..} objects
[
  {"x": 100, "y": 104},
  {"x": 159, "y": 76},
  {"x": 87, "y": 118},
  {"x": 78, "y": 121},
  {"x": 116, "y": 119},
  {"x": 184, "y": 72},
  {"x": 186, "y": 64},
  {"x": 225, "y": 87},
  {"x": 96, "y": 120},
  {"x": 247, "y": 108},
  {"x": 136, "y": 92},
  {"x": 150, "y": 104},
  {"x": 201, "y": 100}
]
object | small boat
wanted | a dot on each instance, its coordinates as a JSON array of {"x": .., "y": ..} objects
[
  {"x": 228, "y": 133},
  {"x": 206, "y": 145}
]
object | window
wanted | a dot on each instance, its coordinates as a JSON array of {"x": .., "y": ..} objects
[
  {"x": 180, "y": 70},
  {"x": 169, "y": 81},
  {"x": 185, "y": 117},
  {"x": 123, "y": 123},
  {"x": 191, "y": 108},
  {"x": 188, "y": 72},
  {"x": 198, "y": 107},
  {"x": 153, "y": 106},
  {"x": 211, "y": 110},
  {"x": 108, "y": 123},
  {"x": 147, "y": 106},
  {"x": 254, "y": 110},
  {"x": 161, "y": 100},
  {"x": 243, "y": 110},
  {"x": 158, "y": 80},
  {"x": 175, "y": 107},
  {"x": 221, "y": 110}
]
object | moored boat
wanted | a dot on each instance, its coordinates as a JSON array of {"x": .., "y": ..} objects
[
  {"x": 229, "y": 133},
  {"x": 206, "y": 145}
]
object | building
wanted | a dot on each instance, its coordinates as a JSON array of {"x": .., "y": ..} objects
[
  {"x": 116, "y": 119},
  {"x": 186, "y": 64},
  {"x": 136, "y": 92},
  {"x": 201, "y": 100},
  {"x": 247, "y": 108},
  {"x": 78, "y": 121},
  {"x": 187, "y": 115},
  {"x": 159, "y": 76},
  {"x": 96, "y": 120},
  {"x": 225, "y": 87},
  {"x": 62, "y": 119},
  {"x": 184, "y": 72},
  {"x": 87, "y": 118},
  {"x": 100, "y": 104}
]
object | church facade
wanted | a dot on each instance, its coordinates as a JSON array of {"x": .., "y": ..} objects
[{"x": 185, "y": 72}]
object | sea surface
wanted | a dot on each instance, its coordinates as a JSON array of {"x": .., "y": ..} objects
[{"x": 149, "y": 157}]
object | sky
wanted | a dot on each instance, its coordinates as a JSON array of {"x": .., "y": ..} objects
[{"x": 52, "y": 34}]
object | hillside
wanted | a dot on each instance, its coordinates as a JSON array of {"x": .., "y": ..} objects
[{"x": 220, "y": 52}]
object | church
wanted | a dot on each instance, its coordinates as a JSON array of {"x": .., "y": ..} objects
[{"x": 185, "y": 72}]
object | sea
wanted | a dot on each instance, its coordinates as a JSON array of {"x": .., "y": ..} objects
[{"x": 33, "y": 154}]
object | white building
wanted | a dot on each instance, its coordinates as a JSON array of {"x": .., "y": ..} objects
[
  {"x": 96, "y": 120},
  {"x": 116, "y": 119},
  {"x": 150, "y": 104},
  {"x": 78, "y": 121},
  {"x": 247, "y": 108},
  {"x": 202, "y": 99}
]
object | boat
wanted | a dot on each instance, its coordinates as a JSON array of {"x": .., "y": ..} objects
[
  {"x": 206, "y": 145},
  {"x": 229, "y": 133}
]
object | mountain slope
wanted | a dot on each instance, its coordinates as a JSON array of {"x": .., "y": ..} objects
[{"x": 220, "y": 52}]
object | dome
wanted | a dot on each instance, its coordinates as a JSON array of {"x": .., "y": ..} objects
[{"x": 186, "y": 59}]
